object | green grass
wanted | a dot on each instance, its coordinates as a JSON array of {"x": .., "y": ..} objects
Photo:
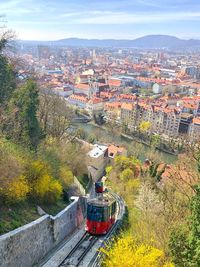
[
  {"x": 17, "y": 215},
  {"x": 56, "y": 208},
  {"x": 84, "y": 180},
  {"x": 12, "y": 217}
]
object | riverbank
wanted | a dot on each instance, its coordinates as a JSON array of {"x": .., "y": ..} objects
[
  {"x": 102, "y": 135},
  {"x": 138, "y": 140},
  {"x": 147, "y": 144}
]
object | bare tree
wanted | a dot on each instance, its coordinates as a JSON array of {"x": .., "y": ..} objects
[
  {"x": 147, "y": 200},
  {"x": 54, "y": 115},
  {"x": 6, "y": 35}
]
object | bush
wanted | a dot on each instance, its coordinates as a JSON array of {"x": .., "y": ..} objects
[
  {"x": 126, "y": 250},
  {"x": 91, "y": 139},
  {"x": 81, "y": 133},
  {"x": 54, "y": 192},
  {"x": 66, "y": 177},
  {"x": 43, "y": 187},
  {"x": 17, "y": 190},
  {"x": 84, "y": 180},
  {"x": 126, "y": 175}
]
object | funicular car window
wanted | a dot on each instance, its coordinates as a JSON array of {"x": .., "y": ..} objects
[
  {"x": 105, "y": 214},
  {"x": 94, "y": 213}
]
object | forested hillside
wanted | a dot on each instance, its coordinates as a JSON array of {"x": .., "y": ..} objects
[
  {"x": 162, "y": 227},
  {"x": 37, "y": 157}
]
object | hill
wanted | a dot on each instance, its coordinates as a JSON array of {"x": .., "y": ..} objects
[{"x": 145, "y": 42}]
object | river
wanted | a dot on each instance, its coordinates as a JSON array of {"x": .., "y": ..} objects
[{"x": 104, "y": 136}]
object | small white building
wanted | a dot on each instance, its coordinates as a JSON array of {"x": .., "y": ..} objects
[
  {"x": 88, "y": 72},
  {"x": 157, "y": 88},
  {"x": 97, "y": 161}
]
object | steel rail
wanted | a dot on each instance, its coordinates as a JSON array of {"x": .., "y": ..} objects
[
  {"x": 93, "y": 241},
  {"x": 96, "y": 261},
  {"x": 83, "y": 238}
]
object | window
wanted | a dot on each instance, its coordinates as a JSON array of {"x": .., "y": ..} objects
[{"x": 95, "y": 213}]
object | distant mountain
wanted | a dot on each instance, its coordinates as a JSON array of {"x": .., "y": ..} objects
[
  {"x": 146, "y": 42},
  {"x": 164, "y": 41}
]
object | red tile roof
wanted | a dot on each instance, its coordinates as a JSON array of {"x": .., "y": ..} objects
[
  {"x": 82, "y": 86},
  {"x": 114, "y": 150},
  {"x": 112, "y": 105},
  {"x": 127, "y": 106},
  {"x": 196, "y": 121},
  {"x": 79, "y": 98},
  {"x": 95, "y": 100}
]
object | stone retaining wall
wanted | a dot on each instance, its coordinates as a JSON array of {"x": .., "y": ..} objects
[
  {"x": 67, "y": 220},
  {"x": 27, "y": 245}
]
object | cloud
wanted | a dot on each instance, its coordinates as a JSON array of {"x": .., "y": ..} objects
[
  {"x": 16, "y": 8},
  {"x": 148, "y": 3},
  {"x": 70, "y": 14},
  {"x": 41, "y": 17},
  {"x": 10, "y": 4},
  {"x": 109, "y": 17}
]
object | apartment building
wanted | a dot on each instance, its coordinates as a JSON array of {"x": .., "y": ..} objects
[
  {"x": 95, "y": 105},
  {"x": 78, "y": 100},
  {"x": 82, "y": 88},
  {"x": 129, "y": 115},
  {"x": 163, "y": 120},
  {"x": 194, "y": 130},
  {"x": 171, "y": 122},
  {"x": 112, "y": 110}
]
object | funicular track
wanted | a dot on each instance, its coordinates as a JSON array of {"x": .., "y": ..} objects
[
  {"x": 97, "y": 259},
  {"x": 77, "y": 255}
]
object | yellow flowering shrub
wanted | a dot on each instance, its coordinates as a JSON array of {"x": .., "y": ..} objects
[
  {"x": 108, "y": 170},
  {"x": 54, "y": 192},
  {"x": 16, "y": 190},
  {"x": 125, "y": 252},
  {"x": 66, "y": 177},
  {"x": 126, "y": 175},
  {"x": 144, "y": 126},
  {"x": 43, "y": 186}
]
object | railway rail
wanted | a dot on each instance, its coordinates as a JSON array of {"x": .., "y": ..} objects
[
  {"x": 97, "y": 259},
  {"x": 76, "y": 255},
  {"x": 87, "y": 250}
]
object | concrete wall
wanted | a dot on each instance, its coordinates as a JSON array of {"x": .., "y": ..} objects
[
  {"x": 67, "y": 220},
  {"x": 28, "y": 244}
]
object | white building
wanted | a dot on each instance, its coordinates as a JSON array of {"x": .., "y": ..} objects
[
  {"x": 97, "y": 161},
  {"x": 157, "y": 88}
]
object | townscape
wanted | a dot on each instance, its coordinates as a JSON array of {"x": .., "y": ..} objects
[
  {"x": 99, "y": 133},
  {"x": 124, "y": 85}
]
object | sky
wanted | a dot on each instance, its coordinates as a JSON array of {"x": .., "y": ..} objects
[{"x": 102, "y": 19}]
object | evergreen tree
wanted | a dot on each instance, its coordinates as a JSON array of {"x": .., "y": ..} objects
[
  {"x": 7, "y": 80},
  {"x": 185, "y": 243},
  {"x": 7, "y": 73},
  {"x": 179, "y": 247},
  {"x": 22, "y": 124},
  {"x": 194, "y": 237}
]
